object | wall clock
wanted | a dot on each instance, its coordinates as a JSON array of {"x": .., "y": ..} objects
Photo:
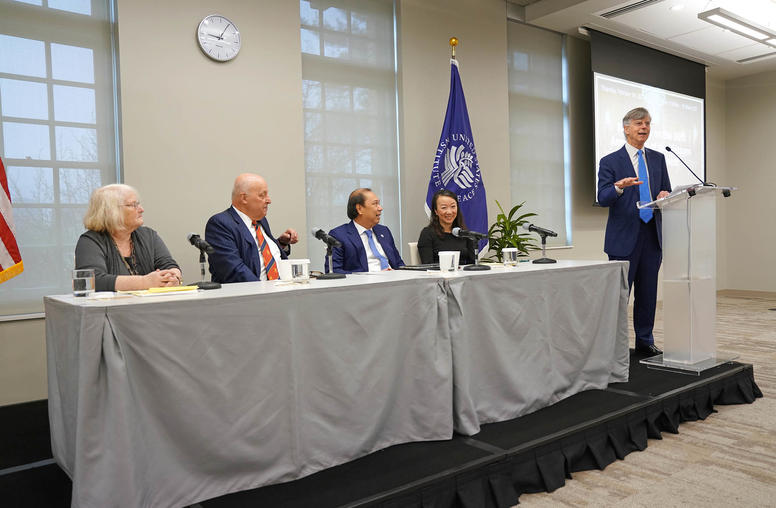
[{"x": 218, "y": 37}]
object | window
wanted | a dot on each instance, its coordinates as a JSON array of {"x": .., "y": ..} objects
[
  {"x": 57, "y": 133},
  {"x": 538, "y": 127},
  {"x": 349, "y": 94}
]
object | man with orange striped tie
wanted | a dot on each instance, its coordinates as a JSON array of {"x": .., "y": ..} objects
[{"x": 244, "y": 248}]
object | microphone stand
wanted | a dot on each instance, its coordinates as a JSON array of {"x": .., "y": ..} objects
[
  {"x": 476, "y": 267},
  {"x": 544, "y": 260},
  {"x": 332, "y": 274},
  {"x": 205, "y": 284}
]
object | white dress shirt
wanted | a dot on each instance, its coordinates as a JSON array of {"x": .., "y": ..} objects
[
  {"x": 273, "y": 248},
  {"x": 371, "y": 259},
  {"x": 633, "y": 153}
]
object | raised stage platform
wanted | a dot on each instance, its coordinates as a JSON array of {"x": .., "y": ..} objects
[{"x": 534, "y": 453}]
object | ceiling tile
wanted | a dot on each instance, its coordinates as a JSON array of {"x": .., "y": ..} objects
[
  {"x": 658, "y": 20},
  {"x": 755, "y": 49},
  {"x": 712, "y": 40}
]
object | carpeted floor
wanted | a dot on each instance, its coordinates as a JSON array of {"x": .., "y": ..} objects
[{"x": 728, "y": 460}]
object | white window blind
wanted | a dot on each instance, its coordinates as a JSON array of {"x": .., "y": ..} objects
[
  {"x": 349, "y": 94},
  {"x": 57, "y": 133},
  {"x": 538, "y": 129}
]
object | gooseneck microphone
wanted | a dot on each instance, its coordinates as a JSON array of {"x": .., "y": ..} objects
[
  {"x": 320, "y": 234},
  {"x": 709, "y": 184},
  {"x": 199, "y": 243},
  {"x": 465, "y": 233},
  {"x": 541, "y": 231}
]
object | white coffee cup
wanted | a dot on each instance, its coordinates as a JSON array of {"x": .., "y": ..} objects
[
  {"x": 284, "y": 269},
  {"x": 448, "y": 260}
]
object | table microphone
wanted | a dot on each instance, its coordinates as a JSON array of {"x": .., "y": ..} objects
[
  {"x": 320, "y": 234},
  {"x": 465, "y": 233},
  {"x": 199, "y": 243},
  {"x": 541, "y": 231},
  {"x": 204, "y": 248}
]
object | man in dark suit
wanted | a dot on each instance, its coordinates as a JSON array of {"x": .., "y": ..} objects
[
  {"x": 244, "y": 248},
  {"x": 367, "y": 246},
  {"x": 629, "y": 175}
]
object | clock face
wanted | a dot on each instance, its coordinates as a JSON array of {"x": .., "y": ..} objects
[{"x": 218, "y": 37}]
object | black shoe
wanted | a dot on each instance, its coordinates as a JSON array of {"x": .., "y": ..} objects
[{"x": 648, "y": 348}]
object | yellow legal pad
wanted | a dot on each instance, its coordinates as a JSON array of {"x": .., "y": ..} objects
[
  {"x": 163, "y": 291},
  {"x": 172, "y": 289}
]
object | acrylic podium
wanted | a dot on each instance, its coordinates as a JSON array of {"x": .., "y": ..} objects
[{"x": 689, "y": 278}]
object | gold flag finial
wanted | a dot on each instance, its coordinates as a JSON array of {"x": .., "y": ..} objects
[{"x": 453, "y": 44}]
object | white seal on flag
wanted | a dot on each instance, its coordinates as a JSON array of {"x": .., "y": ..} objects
[{"x": 460, "y": 163}]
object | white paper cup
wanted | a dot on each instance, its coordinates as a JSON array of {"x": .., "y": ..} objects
[
  {"x": 284, "y": 269},
  {"x": 448, "y": 261}
]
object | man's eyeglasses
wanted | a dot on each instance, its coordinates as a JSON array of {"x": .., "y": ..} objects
[{"x": 134, "y": 204}]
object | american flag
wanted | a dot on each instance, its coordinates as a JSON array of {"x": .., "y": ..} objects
[{"x": 10, "y": 259}]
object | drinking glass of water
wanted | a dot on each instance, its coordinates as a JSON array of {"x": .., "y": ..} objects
[
  {"x": 83, "y": 281},
  {"x": 510, "y": 256}
]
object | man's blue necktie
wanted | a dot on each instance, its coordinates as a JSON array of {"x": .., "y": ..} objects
[
  {"x": 383, "y": 261},
  {"x": 644, "y": 213}
]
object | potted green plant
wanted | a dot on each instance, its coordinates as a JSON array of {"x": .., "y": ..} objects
[{"x": 505, "y": 232}]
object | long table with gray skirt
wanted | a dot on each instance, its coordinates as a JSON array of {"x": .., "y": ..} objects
[{"x": 170, "y": 400}]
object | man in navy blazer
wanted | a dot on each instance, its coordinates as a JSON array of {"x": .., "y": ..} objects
[
  {"x": 231, "y": 233},
  {"x": 629, "y": 175},
  {"x": 367, "y": 246}
]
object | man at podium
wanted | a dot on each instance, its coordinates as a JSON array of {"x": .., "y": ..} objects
[{"x": 625, "y": 177}]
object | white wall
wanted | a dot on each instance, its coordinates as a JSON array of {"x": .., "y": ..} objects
[
  {"x": 750, "y": 112},
  {"x": 190, "y": 125}
]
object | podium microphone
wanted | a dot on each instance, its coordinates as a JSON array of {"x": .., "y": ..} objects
[
  {"x": 705, "y": 184},
  {"x": 543, "y": 233}
]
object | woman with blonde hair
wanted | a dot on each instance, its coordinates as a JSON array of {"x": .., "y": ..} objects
[{"x": 124, "y": 254}]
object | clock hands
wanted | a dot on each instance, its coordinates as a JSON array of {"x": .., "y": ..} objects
[{"x": 222, "y": 33}]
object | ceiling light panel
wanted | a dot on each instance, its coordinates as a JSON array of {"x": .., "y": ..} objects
[{"x": 737, "y": 24}]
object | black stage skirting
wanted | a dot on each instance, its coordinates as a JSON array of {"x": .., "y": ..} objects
[{"x": 534, "y": 453}]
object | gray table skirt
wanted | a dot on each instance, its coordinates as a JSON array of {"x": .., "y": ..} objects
[
  {"x": 525, "y": 340},
  {"x": 181, "y": 400}
]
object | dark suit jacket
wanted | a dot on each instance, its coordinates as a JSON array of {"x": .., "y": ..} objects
[
  {"x": 623, "y": 226},
  {"x": 351, "y": 257},
  {"x": 236, "y": 257}
]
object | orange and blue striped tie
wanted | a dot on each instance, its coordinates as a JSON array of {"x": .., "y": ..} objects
[{"x": 269, "y": 262}]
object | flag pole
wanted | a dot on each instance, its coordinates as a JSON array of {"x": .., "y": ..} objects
[{"x": 453, "y": 44}]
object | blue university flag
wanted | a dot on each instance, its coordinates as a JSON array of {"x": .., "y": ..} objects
[{"x": 455, "y": 164}]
